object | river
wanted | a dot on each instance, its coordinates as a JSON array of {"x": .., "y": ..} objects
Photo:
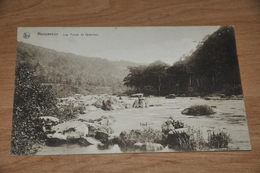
[{"x": 231, "y": 119}]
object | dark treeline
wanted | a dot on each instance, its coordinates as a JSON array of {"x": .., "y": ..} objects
[{"x": 211, "y": 68}]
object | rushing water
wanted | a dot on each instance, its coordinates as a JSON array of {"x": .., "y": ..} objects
[{"x": 231, "y": 119}]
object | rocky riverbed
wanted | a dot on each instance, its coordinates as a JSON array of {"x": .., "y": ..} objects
[{"x": 97, "y": 126}]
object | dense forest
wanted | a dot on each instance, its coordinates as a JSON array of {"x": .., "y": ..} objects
[
  {"x": 211, "y": 68},
  {"x": 69, "y": 74}
]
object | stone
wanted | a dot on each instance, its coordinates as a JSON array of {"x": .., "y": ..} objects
[
  {"x": 185, "y": 111},
  {"x": 103, "y": 137},
  {"x": 91, "y": 108},
  {"x": 139, "y": 146},
  {"x": 140, "y": 103},
  {"x": 105, "y": 120},
  {"x": 84, "y": 142},
  {"x": 200, "y": 110},
  {"x": 96, "y": 127},
  {"x": 167, "y": 127},
  {"x": 111, "y": 104},
  {"x": 170, "y": 96},
  {"x": 92, "y": 140},
  {"x": 59, "y": 136},
  {"x": 148, "y": 146},
  {"x": 98, "y": 103},
  {"x": 212, "y": 98},
  {"x": 153, "y": 146},
  {"x": 69, "y": 130}
]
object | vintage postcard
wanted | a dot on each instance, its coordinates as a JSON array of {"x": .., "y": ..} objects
[{"x": 96, "y": 90}]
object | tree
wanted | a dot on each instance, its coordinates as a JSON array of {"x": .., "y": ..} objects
[
  {"x": 155, "y": 75},
  {"x": 31, "y": 101},
  {"x": 135, "y": 78}
]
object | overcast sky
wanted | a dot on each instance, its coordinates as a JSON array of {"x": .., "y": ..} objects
[{"x": 136, "y": 44}]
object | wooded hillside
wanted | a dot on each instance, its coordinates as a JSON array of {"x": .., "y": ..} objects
[
  {"x": 211, "y": 68},
  {"x": 69, "y": 73}
]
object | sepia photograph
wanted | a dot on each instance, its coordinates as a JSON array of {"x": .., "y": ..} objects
[{"x": 106, "y": 90}]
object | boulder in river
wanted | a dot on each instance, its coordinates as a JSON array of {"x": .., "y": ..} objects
[
  {"x": 98, "y": 103},
  {"x": 171, "y": 125},
  {"x": 95, "y": 127},
  {"x": 102, "y": 137},
  {"x": 170, "y": 96},
  {"x": 148, "y": 146},
  {"x": 199, "y": 110},
  {"x": 111, "y": 103},
  {"x": 105, "y": 120},
  {"x": 140, "y": 103},
  {"x": 68, "y": 131}
]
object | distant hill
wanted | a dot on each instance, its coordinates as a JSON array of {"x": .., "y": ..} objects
[{"x": 73, "y": 73}]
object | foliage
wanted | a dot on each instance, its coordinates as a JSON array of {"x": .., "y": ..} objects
[
  {"x": 218, "y": 139},
  {"x": 151, "y": 78},
  {"x": 181, "y": 141},
  {"x": 212, "y": 67},
  {"x": 127, "y": 140},
  {"x": 31, "y": 101},
  {"x": 193, "y": 140}
]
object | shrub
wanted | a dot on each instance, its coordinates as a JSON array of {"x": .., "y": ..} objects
[
  {"x": 31, "y": 101},
  {"x": 215, "y": 140},
  {"x": 193, "y": 140},
  {"x": 181, "y": 141},
  {"x": 218, "y": 140}
]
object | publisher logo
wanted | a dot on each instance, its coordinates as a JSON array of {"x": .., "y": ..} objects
[{"x": 26, "y": 35}]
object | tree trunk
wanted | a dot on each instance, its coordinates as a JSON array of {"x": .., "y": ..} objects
[
  {"x": 213, "y": 80},
  {"x": 159, "y": 86}
]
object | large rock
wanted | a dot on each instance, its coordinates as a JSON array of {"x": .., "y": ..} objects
[
  {"x": 101, "y": 124},
  {"x": 102, "y": 136},
  {"x": 148, "y": 146},
  {"x": 112, "y": 104},
  {"x": 69, "y": 131},
  {"x": 98, "y": 103},
  {"x": 91, "y": 108},
  {"x": 200, "y": 110},
  {"x": 171, "y": 126},
  {"x": 140, "y": 103},
  {"x": 171, "y": 96},
  {"x": 213, "y": 98},
  {"x": 95, "y": 127},
  {"x": 105, "y": 120},
  {"x": 153, "y": 146},
  {"x": 47, "y": 122}
]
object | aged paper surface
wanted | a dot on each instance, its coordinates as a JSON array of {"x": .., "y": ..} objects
[{"x": 101, "y": 90}]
